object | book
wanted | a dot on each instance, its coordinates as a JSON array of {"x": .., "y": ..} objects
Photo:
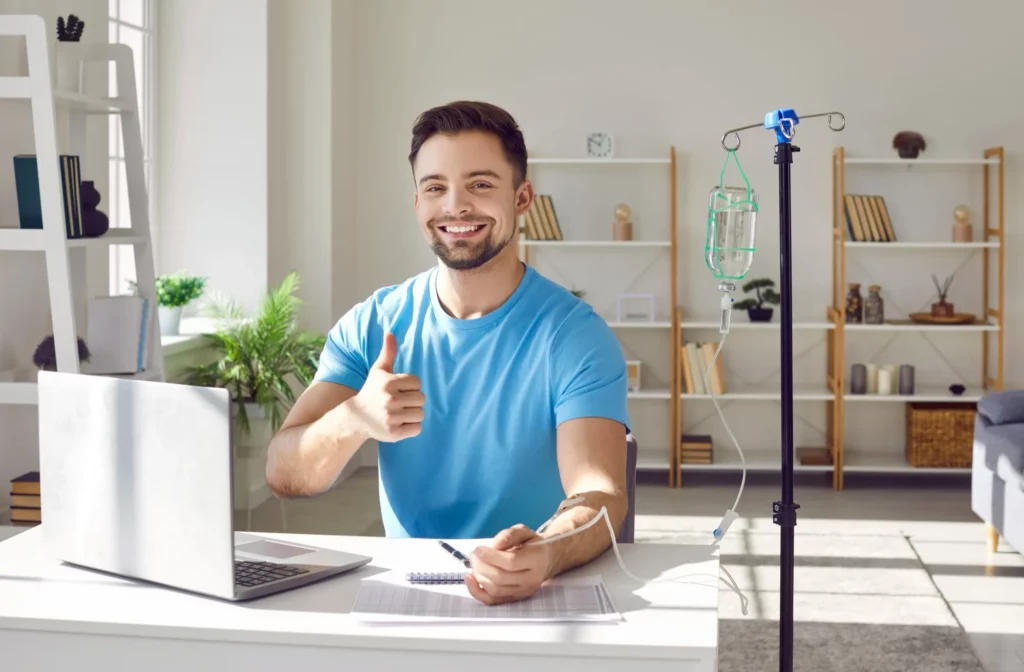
[
  {"x": 30, "y": 209},
  {"x": 117, "y": 332},
  {"x": 26, "y": 484}
]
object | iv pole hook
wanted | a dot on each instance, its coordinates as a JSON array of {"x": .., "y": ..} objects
[{"x": 786, "y": 127}]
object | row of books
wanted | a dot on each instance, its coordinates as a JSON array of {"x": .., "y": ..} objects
[
  {"x": 26, "y": 505},
  {"x": 695, "y": 358},
  {"x": 867, "y": 219},
  {"x": 540, "y": 222},
  {"x": 30, "y": 209},
  {"x": 695, "y": 449}
]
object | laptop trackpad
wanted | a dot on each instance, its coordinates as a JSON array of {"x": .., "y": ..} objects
[{"x": 273, "y": 549}]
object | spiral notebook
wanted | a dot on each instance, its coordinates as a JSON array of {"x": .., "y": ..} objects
[
  {"x": 441, "y": 597},
  {"x": 432, "y": 578}
]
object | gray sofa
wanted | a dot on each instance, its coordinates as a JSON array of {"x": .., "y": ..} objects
[{"x": 997, "y": 469}]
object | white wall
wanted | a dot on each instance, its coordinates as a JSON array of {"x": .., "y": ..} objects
[
  {"x": 24, "y": 299},
  {"x": 681, "y": 73},
  {"x": 212, "y": 204}
]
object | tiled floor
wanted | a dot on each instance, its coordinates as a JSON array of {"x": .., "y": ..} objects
[{"x": 897, "y": 553}]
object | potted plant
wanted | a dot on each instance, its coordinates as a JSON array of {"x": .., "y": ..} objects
[
  {"x": 755, "y": 308},
  {"x": 260, "y": 357},
  {"x": 174, "y": 292},
  {"x": 261, "y": 360}
]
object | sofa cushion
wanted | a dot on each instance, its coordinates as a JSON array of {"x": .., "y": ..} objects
[
  {"x": 1005, "y": 440},
  {"x": 1003, "y": 408}
]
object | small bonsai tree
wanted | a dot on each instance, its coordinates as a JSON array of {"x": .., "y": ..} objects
[{"x": 762, "y": 287}]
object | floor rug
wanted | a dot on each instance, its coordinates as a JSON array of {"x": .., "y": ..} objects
[{"x": 753, "y": 646}]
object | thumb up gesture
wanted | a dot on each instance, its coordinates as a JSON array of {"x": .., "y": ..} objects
[{"x": 390, "y": 405}]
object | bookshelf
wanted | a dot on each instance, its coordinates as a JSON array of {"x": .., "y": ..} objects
[
  {"x": 576, "y": 211},
  {"x": 988, "y": 242},
  {"x": 48, "y": 106}
]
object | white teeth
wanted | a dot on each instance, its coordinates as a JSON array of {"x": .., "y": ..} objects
[{"x": 461, "y": 229}]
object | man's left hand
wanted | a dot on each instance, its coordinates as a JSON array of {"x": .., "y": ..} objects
[{"x": 507, "y": 570}]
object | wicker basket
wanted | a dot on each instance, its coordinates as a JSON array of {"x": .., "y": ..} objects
[{"x": 940, "y": 434}]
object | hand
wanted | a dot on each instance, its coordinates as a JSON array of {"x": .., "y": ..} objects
[
  {"x": 389, "y": 405},
  {"x": 507, "y": 571}
]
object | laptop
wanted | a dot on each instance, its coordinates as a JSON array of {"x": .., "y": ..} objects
[{"x": 136, "y": 479}]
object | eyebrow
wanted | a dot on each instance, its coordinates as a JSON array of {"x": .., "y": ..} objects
[{"x": 475, "y": 173}]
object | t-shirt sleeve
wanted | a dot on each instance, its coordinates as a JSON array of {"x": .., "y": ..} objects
[
  {"x": 589, "y": 371},
  {"x": 343, "y": 360}
]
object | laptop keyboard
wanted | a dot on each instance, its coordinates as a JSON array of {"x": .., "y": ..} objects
[{"x": 250, "y": 573}]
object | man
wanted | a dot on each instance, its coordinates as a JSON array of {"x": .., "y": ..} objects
[{"x": 494, "y": 393}]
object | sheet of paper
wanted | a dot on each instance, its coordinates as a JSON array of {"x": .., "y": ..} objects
[{"x": 389, "y": 598}]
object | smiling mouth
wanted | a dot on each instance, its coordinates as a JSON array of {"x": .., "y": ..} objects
[{"x": 461, "y": 228}]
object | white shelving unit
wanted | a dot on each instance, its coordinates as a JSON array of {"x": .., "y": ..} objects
[
  {"x": 989, "y": 325},
  {"x": 37, "y": 90},
  {"x": 647, "y": 459}
]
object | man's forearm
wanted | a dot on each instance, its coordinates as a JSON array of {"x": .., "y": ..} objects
[
  {"x": 306, "y": 459},
  {"x": 582, "y": 547}
]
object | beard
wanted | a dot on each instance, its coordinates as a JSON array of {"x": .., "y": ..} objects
[{"x": 463, "y": 255}]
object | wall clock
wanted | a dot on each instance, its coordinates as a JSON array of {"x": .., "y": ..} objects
[{"x": 599, "y": 145}]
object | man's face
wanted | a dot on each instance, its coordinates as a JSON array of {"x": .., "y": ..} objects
[{"x": 466, "y": 201}]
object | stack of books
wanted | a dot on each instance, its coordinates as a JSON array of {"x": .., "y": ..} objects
[
  {"x": 26, "y": 506},
  {"x": 695, "y": 449},
  {"x": 540, "y": 222}
]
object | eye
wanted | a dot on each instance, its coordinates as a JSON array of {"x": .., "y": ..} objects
[
  {"x": 433, "y": 187},
  {"x": 482, "y": 184}
]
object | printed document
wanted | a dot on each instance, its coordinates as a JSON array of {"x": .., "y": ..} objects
[{"x": 389, "y": 598}]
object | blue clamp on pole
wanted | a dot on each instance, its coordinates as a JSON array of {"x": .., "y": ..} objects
[{"x": 783, "y": 122}]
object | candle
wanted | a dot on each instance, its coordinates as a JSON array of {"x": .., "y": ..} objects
[
  {"x": 872, "y": 378},
  {"x": 884, "y": 381}
]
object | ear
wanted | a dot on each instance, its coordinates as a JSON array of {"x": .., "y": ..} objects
[
  {"x": 524, "y": 197},
  {"x": 416, "y": 199}
]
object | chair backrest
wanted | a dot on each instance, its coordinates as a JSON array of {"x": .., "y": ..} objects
[{"x": 626, "y": 531}]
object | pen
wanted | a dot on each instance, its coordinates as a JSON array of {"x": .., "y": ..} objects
[{"x": 458, "y": 556}]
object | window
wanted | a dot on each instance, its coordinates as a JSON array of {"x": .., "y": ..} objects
[{"x": 131, "y": 23}]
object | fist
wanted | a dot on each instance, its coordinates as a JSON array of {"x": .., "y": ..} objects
[{"x": 390, "y": 405}]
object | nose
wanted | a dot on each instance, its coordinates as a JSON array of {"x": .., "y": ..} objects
[{"x": 457, "y": 203}]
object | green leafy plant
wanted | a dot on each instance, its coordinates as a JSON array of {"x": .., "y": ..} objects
[
  {"x": 178, "y": 289},
  {"x": 259, "y": 354},
  {"x": 577, "y": 293},
  {"x": 767, "y": 296}
]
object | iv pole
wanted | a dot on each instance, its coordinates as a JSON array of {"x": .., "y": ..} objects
[{"x": 783, "y": 122}]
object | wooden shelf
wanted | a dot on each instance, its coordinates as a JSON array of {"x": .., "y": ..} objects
[
  {"x": 892, "y": 161},
  {"x": 925, "y": 245},
  {"x": 910, "y": 325},
  {"x": 623, "y": 244},
  {"x": 990, "y": 313},
  {"x": 800, "y": 393},
  {"x": 740, "y": 324},
  {"x": 594, "y": 162}
]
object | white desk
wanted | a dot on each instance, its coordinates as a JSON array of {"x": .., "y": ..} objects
[{"x": 56, "y": 617}]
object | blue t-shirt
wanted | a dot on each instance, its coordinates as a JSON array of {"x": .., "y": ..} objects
[{"x": 496, "y": 389}]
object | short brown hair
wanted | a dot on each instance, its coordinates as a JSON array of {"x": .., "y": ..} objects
[{"x": 466, "y": 115}]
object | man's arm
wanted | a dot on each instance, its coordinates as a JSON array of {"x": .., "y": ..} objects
[
  {"x": 592, "y": 463},
  {"x": 317, "y": 439}
]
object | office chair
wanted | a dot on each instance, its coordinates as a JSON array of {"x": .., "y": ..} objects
[{"x": 626, "y": 530}]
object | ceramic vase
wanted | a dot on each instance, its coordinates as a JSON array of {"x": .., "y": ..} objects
[
  {"x": 94, "y": 222},
  {"x": 67, "y": 66}
]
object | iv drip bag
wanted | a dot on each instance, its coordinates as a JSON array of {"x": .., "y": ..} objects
[{"x": 729, "y": 242}]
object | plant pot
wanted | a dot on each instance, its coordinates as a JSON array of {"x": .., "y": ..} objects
[
  {"x": 760, "y": 314},
  {"x": 170, "y": 320},
  {"x": 250, "y": 456},
  {"x": 67, "y": 66}
]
